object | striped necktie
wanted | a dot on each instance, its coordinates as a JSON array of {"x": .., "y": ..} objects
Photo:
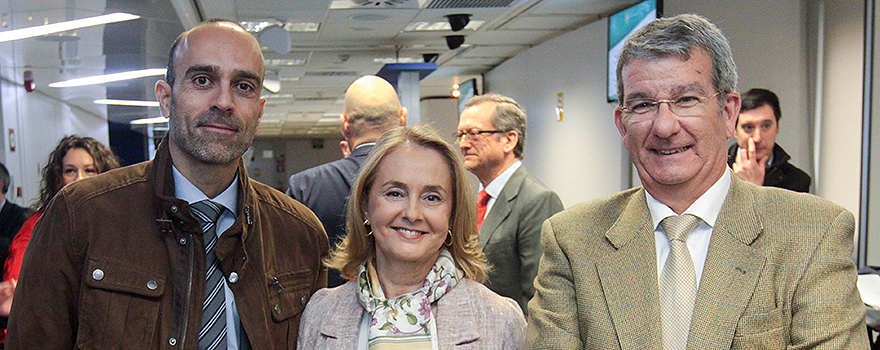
[
  {"x": 678, "y": 282},
  {"x": 213, "y": 332}
]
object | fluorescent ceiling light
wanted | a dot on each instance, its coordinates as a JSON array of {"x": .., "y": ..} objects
[
  {"x": 64, "y": 26},
  {"x": 436, "y": 26},
  {"x": 293, "y": 27},
  {"x": 107, "y": 78},
  {"x": 386, "y": 60},
  {"x": 128, "y": 103},
  {"x": 156, "y": 120}
]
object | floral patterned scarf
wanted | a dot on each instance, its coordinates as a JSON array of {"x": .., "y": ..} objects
[{"x": 407, "y": 316}]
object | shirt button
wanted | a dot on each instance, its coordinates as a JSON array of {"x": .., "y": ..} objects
[
  {"x": 233, "y": 277},
  {"x": 277, "y": 309},
  {"x": 98, "y": 274},
  {"x": 183, "y": 241},
  {"x": 172, "y": 341},
  {"x": 173, "y": 210},
  {"x": 152, "y": 285}
]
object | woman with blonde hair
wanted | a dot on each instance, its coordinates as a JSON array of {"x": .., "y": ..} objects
[{"x": 412, "y": 257}]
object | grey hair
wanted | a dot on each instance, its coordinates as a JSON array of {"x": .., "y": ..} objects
[
  {"x": 678, "y": 36},
  {"x": 509, "y": 115}
]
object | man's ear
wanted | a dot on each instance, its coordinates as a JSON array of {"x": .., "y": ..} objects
[
  {"x": 346, "y": 127},
  {"x": 730, "y": 113},
  {"x": 618, "y": 121},
  {"x": 512, "y": 138},
  {"x": 163, "y": 95},
  {"x": 403, "y": 114}
]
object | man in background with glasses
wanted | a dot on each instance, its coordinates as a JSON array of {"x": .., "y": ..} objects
[
  {"x": 511, "y": 204},
  {"x": 696, "y": 258}
]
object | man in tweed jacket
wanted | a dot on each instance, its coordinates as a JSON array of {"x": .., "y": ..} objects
[{"x": 773, "y": 268}]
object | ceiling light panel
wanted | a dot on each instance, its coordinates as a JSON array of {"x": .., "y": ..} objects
[
  {"x": 107, "y": 78},
  {"x": 30, "y": 32},
  {"x": 439, "y": 26}
]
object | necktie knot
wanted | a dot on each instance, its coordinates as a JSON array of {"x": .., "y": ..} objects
[
  {"x": 678, "y": 227},
  {"x": 206, "y": 211}
]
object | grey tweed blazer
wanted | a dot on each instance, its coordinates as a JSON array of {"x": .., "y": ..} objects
[
  {"x": 470, "y": 316},
  {"x": 778, "y": 275}
]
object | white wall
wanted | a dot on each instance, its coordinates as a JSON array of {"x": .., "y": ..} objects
[
  {"x": 580, "y": 157},
  {"x": 298, "y": 155},
  {"x": 840, "y": 144}
]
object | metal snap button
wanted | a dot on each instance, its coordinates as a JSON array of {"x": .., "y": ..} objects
[
  {"x": 172, "y": 341},
  {"x": 183, "y": 241},
  {"x": 277, "y": 309},
  {"x": 98, "y": 274},
  {"x": 233, "y": 277},
  {"x": 152, "y": 285},
  {"x": 173, "y": 210},
  {"x": 304, "y": 300}
]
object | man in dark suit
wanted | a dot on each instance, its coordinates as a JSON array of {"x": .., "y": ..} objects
[
  {"x": 756, "y": 157},
  {"x": 696, "y": 258},
  {"x": 512, "y": 204},
  {"x": 12, "y": 216},
  {"x": 371, "y": 107}
]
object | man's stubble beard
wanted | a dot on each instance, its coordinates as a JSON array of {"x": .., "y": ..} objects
[{"x": 209, "y": 148}]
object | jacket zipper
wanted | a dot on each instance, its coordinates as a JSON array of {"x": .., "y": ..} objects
[{"x": 188, "y": 294}]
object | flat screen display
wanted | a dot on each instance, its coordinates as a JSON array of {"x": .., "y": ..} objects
[
  {"x": 468, "y": 90},
  {"x": 621, "y": 26}
]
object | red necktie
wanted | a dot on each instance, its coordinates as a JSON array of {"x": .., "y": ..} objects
[{"x": 482, "y": 202}]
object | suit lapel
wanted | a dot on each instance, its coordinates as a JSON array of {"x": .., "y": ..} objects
[
  {"x": 456, "y": 317},
  {"x": 343, "y": 324},
  {"x": 629, "y": 276},
  {"x": 731, "y": 272},
  {"x": 502, "y": 206}
]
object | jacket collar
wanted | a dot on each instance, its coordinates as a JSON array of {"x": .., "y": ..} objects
[{"x": 503, "y": 204}]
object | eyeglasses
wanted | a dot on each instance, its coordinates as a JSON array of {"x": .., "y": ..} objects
[
  {"x": 681, "y": 106},
  {"x": 474, "y": 135}
]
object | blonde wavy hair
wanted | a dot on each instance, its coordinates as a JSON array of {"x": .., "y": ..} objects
[{"x": 357, "y": 248}]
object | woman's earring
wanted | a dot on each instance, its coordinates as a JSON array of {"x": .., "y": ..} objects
[
  {"x": 448, "y": 242},
  {"x": 367, "y": 224}
]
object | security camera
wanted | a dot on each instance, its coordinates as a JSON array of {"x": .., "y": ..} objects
[
  {"x": 458, "y": 21},
  {"x": 454, "y": 41}
]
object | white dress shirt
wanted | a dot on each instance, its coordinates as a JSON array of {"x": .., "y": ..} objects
[
  {"x": 495, "y": 187},
  {"x": 706, "y": 208},
  {"x": 228, "y": 199}
]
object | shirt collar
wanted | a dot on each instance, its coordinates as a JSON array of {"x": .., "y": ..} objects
[
  {"x": 365, "y": 144},
  {"x": 184, "y": 189},
  {"x": 706, "y": 207},
  {"x": 495, "y": 187}
]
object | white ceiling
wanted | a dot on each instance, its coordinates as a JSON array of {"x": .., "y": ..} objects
[{"x": 345, "y": 46}]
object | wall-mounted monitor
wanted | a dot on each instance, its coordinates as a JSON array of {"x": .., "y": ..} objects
[
  {"x": 621, "y": 26},
  {"x": 468, "y": 90}
]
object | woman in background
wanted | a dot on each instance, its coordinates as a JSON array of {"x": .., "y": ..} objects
[
  {"x": 74, "y": 158},
  {"x": 412, "y": 257}
]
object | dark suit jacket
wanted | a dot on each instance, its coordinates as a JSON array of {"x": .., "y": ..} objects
[
  {"x": 778, "y": 275},
  {"x": 511, "y": 235},
  {"x": 12, "y": 217},
  {"x": 780, "y": 173},
  {"x": 324, "y": 189}
]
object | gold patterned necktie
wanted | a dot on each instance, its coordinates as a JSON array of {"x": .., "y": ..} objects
[{"x": 678, "y": 282}]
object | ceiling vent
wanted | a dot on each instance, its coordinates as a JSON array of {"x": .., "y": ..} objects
[
  {"x": 386, "y": 3},
  {"x": 458, "y": 4}
]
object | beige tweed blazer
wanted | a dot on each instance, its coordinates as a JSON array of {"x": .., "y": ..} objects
[
  {"x": 778, "y": 275},
  {"x": 470, "y": 316}
]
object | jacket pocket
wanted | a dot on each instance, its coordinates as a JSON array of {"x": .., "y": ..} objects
[
  {"x": 289, "y": 292},
  {"x": 761, "y": 330},
  {"x": 120, "y": 305}
]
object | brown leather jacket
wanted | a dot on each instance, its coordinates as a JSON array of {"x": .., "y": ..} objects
[{"x": 117, "y": 262}]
